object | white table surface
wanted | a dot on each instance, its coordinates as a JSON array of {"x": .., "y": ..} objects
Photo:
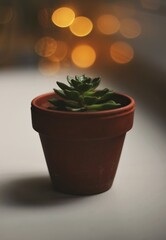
[{"x": 133, "y": 209}]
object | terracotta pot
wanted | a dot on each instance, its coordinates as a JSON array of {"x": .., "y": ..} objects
[{"x": 82, "y": 149}]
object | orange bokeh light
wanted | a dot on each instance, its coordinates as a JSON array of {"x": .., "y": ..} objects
[
  {"x": 60, "y": 52},
  {"x": 81, "y": 26},
  {"x": 121, "y": 52},
  {"x": 130, "y": 28},
  {"x": 63, "y": 17},
  {"x": 108, "y": 24},
  {"x": 83, "y": 56},
  {"x": 45, "y": 46}
]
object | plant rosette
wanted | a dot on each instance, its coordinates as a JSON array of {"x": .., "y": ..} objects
[{"x": 82, "y": 145}]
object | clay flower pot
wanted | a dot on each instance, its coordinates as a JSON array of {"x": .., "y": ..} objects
[{"x": 82, "y": 149}]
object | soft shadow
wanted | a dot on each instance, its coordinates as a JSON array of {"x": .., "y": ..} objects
[{"x": 34, "y": 191}]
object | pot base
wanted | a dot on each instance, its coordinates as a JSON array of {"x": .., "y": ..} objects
[{"x": 81, "y": 192}]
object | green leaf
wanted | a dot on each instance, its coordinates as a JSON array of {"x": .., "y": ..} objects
[
  {"x": 100, "y": 93},
  {"x": 90, "y": 100},
  {"x": 71, "y": 103},
  {"x": 95, "y": 82},
  {"x": 114, "y": 103},
  {"x": 104, "y": 106},
  {"x": 85, "y": 87},
  {"x": 60, "y": 93},
  {"x": 89, "y": 93},
  {"x": 106, "y": 97},
  {"x": 72, "y": 95},
  {"x": 75, "y": 84},
  {"x": 63, "y": 86},
  {"x": 87, "y": 80},
  {"x": 59, "y": 104},
  {"x": 69, "y": 78},
  {"x": 80, "y": 78},
  {"x": 53, "y": 101}
]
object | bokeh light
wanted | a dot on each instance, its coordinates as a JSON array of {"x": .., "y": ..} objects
[
  {"x": 45, "y": 46},
  {"x": 63, "y": 17},
  {"x": 81, "y": 26},
  {"x": 130, "y": 28},
  {"x": 60, "y": 52},
  {"x": 47, "y": 67},
  {"x": 151, "y": 4},
  {"x": 83, "y": 56},
  {"x": 108, "y": 24},
  {"x": 121, "y": 52},
  {"x": 6, "y": 14}
]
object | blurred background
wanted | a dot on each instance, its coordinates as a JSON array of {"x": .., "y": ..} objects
[
  {"x": 124, "y": 41},
  {"x": 59, "y": 33}
]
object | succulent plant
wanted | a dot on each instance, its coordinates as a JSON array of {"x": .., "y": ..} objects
[{"x": 81, "y": 95}]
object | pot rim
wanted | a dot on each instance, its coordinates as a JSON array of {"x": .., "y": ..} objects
[{"x": 36, "y": 104}]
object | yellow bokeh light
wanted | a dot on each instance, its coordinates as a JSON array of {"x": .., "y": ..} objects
[
  {"x": 151, "y": 4},
  {"x": 130, "y": 28},
  {"x": 60, "y": 52},
  {"x": 121, "y": 52},
  {"x": 63, "y": 17},
  {"x": 81, "y": 26},
  {"x": 108, "y": 24},
  {"x": 45, "y": 46},
  {"x": 47, "y": 67},
  {"x": 83, "y": 56},
  {"x": 6, "y": 14}
]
